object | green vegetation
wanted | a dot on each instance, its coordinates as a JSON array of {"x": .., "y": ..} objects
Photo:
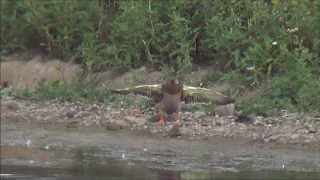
[
  {"x": 58, "y": 90},
  {"x": 280, "y": 39}
]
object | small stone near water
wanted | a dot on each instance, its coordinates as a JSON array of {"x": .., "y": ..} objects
[
  {"x": 217, "y": 123},
  {"x": 94, "y": 108},
  {"x": 257, "y": 123},
  {"x": 137, "y": 120},
  {"x": 312, "y": 130},
  {"x": 72, "y": 124},
  {"x": 225, "y": 110},
  {"x": 43, "y": 121},
  {"x": 243, "y": 118},
  {"x": 70, "y": 114},
  {"x": 294, "y": 136},
  {"x": 86, "y": 114},
  {"x": 155, "y": 118},
  {"x": 13, "y": 106},
  {"x": 131, "y": 112},
  {"x": 16, "y": 118},
  {"x": 273, "y": 138},
  {"x": 198, "y": 114},
  {"x": 205, "y": 137},
  {"x": 113, "y": 126},
  {"x": 272, "y": 121}
]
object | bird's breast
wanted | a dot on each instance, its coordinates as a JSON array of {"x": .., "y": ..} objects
[{"x": 171, "y": 102}]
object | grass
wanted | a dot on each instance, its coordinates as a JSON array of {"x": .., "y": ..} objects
[{"x": 278, "y": 40}]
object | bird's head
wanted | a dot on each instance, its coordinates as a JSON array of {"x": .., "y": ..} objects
[
  {"x": 175, "y": 80},
  {"x": 174, "y": 86}
]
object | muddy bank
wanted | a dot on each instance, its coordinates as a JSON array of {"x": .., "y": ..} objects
[
  {"x": 291, "y": 130},
  {"x": 21, "y": 71}
]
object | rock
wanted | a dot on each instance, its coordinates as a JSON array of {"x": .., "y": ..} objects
[
  {"x": 94, "y": 108},
  {"x": 155, "y": 118},
  {"x": 308, "y": 138},
  {"x": 70, "y": 114},
  {"x": 225, "y": 110},
  {"x": 13, "y": 106},
  {"x": 137, "y": 120},
  {"x": 255, "y": 136},
  {"x": 16, "y": 119},
  {"x": 131, "y": 112},
  {"x": 113, "y": 126},
  {"x": 257, "y": 122},
  {"x": 243, "y": 118},
  {"x": 189, "y": 119},
  {"x": 45, "y": 121},
  {"x": 312, "y": 129},
  {"x": 198, "y": 114},
  {"x": 217, "y": 123},
  {"x": 86, "y": 113},
  {"x": 72, "y": 124},
  {"x": 294, "y": 136},
  {"x": 200, "y": 129},
  {"x": 275, "y": 137}
]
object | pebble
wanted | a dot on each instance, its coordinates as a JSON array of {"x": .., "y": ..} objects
[
  {"x": 257, "y": 123},
  {"x": 312, "y": 130},
  {"x": 14, "y": 106},
  {"x": 294, "y": 136},
  {"x": 137, "y": 120},
  {"x": 113, "y": 126},
  {"x": 199, "y": 114}
]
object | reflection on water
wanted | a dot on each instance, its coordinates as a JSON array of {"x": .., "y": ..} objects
[{"x": 18, "y": 162}]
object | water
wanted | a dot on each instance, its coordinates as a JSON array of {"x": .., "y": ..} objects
[
  {"x": 118, "y": 172},
  {"x": 20, "y": 162},
  {"x": 30, "y": 152}
]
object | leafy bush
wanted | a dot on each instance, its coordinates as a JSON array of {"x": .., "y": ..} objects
[{"x": 278, "y": 41}]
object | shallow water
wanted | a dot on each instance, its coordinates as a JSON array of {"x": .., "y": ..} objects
[
  {"x": 19, "y": 162},
  {"x": 29, "y": 151}
]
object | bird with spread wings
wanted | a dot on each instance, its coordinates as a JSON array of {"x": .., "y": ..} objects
[{"x": 173, "y": 93}]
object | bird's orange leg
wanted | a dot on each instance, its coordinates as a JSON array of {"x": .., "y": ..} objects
[
  {"x": 161, "y": 121},
  {"x": 178, "y": 118},
  {"x": 179, "y": 114},
  {"x": 177, "y": 123}
]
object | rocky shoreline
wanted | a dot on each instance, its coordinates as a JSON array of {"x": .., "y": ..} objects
[{"x": 290, "y": 129}]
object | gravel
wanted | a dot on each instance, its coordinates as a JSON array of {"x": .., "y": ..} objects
[{"x": 289, "y": 129}]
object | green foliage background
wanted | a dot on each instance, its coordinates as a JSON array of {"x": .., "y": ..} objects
[{"x": 281, "y": 39}]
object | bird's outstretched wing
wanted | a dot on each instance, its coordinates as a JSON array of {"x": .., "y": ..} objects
[
  {"x": 192, "y": 94},
  {"x": 152, "y": 91}
]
